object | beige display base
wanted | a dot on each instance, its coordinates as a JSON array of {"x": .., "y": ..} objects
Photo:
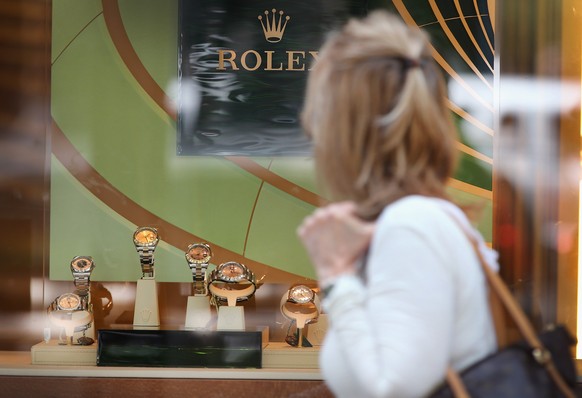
[
  {"x": 283, "y": 356},
  {"x": 231, "y": 318},
  {"x": 52, "y": 353},
  {"x": 276, "y": 355}
]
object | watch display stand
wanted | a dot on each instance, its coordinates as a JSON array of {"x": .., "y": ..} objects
[
  {"x": 280, "y": 355},
  {"x": 302, "y": 321},
  {"x": 298, "y": 339},
  {"x": 146, "y": 310},
  {"x": 62, "y": 348},
  {"x": 54, "y": 353},
  {"x": 231, "y": 318},
  {"x": 316, "y": 331},
  {"x": 198, "y": 314},
  {"x": 90, "y": 332}
]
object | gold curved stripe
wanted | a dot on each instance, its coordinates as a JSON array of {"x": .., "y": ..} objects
[
  {"x": 449, "y": 69},
  {"x": 440, "y": 60},
  {"x": 491, "y": 13},
  {"x": 103, "y": 190},
  {"x": 468, "y": 117},
  {"x": 74, "y": 38},
  {"x": 470, "y": 33},
  {"x": 276, "y": 180},
  {"x": 470, "y": 151},
  {"x": 125, "y": 49},
  {"x": 252, "y": 215},
  {"x": 456, "y": 43},
  {"x": 465, "y": 187}
]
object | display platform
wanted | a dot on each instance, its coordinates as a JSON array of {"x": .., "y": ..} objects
[
  {"x": 278, "y": 355},
  {"x": 52, "y": 353},
  {"x": 274, "y": 355}
]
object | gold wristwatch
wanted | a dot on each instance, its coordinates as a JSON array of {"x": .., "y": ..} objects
[
  {"x": 301, "y": 304},
  {"x": 145, "y": 240},
  {"x": 198, "y": 256}
]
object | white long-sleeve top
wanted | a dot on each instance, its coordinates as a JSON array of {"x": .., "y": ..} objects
[{"x": 419, "y": 306}]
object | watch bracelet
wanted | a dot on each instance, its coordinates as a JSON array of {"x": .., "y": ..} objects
[
  {"x": 53, "y": 307},
  {"x": 200, "y": 288},
  {"x": 83, "y": 327},
  {"x": 146, "y": 254},
  {"x": 85, "y": 300},
  {"x": 82, "y": 283},
  {"x": 147, "y": 267},
  {"x": 146, "y": 259},
  {"x": 215, "y": 299},
  {"x": 213, "y": 276},
  {"x": 250, "y": 277},
  {"x": 199, "y": 278}
]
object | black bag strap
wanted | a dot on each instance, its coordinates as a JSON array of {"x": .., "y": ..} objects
[{"x": 500, "y": 289}]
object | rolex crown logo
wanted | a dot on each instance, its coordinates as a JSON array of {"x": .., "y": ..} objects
[{"x": 274, "y": 28}]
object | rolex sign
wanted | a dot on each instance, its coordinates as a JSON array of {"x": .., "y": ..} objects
[{"x": 243, "y": 67}]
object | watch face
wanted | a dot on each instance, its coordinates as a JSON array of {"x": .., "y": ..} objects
[
  {"x": 301, "y": 294},
  {"x": 199, "y": 253},
  {"x": 68, "y": 301},
  {"x": 231, "y": 271},
  {"x": 82, "y": 264},
  {"x": 145, "y": 236}
]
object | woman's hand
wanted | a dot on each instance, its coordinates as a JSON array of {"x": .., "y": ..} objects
[{"x": 335, "y": 238}]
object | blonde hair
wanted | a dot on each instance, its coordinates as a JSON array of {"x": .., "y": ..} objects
[{"x": 376, "y": 109}]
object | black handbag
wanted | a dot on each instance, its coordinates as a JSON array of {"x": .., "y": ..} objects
[{"x": 535, "y": 367}]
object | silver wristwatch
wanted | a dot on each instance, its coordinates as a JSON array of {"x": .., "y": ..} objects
[
  {"x": 81, "y": 268},
  {"x": 232, "y": 277},
  {"x": 67, "y": 312},
  {"x": 198, "y": 256},
  {"x": 300, "y": 294}
]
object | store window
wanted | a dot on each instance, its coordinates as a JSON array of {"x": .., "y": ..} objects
[{"x": 89, "y": 153}]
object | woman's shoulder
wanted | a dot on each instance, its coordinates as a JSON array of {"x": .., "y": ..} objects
[
  {"x": 417, "y": 210},
  {"x": 438, "y": 222},
  {"x": 432, "y": 218},
  {"x": 435, "y": 222}
]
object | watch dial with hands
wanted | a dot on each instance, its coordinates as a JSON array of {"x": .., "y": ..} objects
[
  {"x": 69, "y": 301},
  {"x": 145, "y": 236},
  {"x": 231, "y": 271},
  {"x": 198, "y": 253},
  {"x": 82, "y": 264},
  {"x": 301, "y": 294}
]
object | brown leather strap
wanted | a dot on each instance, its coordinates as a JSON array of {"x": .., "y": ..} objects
[
  {"x": 500, "y": 289},
  {"x": 456, "y": 384},
  {"x": 523, "y": 324},
  {"x": 498, "y": 314}
]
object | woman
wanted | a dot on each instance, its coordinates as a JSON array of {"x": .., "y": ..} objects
[{"x": 403, "y": 288}]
